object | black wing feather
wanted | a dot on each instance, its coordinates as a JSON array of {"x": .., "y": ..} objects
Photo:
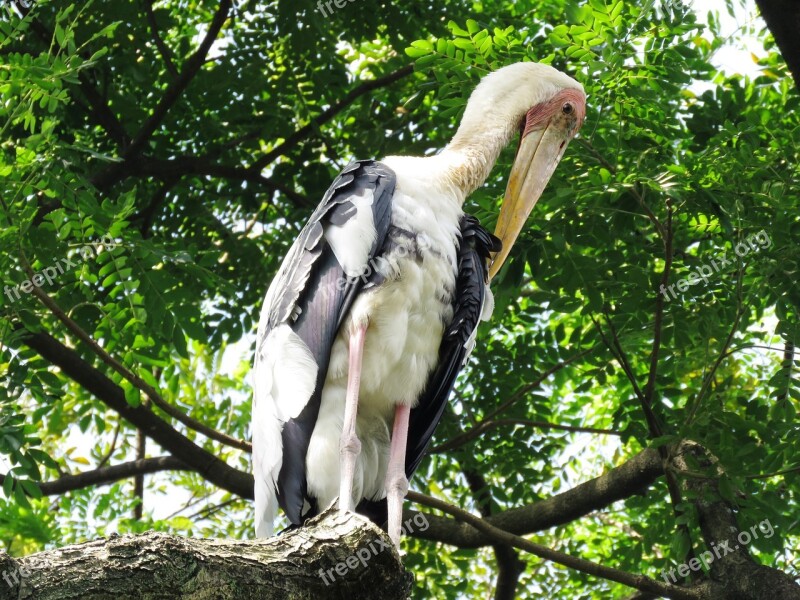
[
  {"x": 312, "y": 300},
  {"x": 476, "y": 246}
]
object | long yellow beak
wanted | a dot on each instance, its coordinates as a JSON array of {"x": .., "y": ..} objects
[{"x": 537, "y": 157}]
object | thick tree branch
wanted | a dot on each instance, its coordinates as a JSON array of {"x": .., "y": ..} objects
[
  {"x": 95, "y": 382},
  {"x": 728, "y": 556},
  {"x": 332, "y": 557},
  {"x": 631, "y": 478}
]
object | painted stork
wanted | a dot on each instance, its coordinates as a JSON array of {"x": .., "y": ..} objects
[{"x": 375, "y": 308}]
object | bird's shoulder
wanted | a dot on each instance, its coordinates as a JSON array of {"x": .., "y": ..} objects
[{"x": 359, "y": 198}]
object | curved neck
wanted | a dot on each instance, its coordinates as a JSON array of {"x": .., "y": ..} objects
[{"x": 469, "y": 157}]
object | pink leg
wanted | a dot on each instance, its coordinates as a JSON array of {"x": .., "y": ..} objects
[
  {"x": 349, "y": 444},
  {"x": 396, "y": 481}
]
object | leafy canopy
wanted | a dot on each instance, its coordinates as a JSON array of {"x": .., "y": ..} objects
[{"x": 171, "y": 151}]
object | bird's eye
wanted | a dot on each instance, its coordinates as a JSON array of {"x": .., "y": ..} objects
[{"x": 567, "y": 108}]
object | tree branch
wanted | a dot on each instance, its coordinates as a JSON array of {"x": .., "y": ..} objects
[
  {"x": 102, "y": 114},
  {"x": 163, "y": 49},
  {"x": 618, "y": 353},
  {"x": 742, "y": 576},
  {"x": 536, "y": 382},
  {"x": 509, "y": 566},
  {"x": 673, "y": 487},
  {"x": 108, "y": 475},
  {"x": 639, "y": 582},
  {"x": 328, "y": 114},
  {"x": 632, "y": 188},
  {"x": 131, "y": 377},
  {"x": 147, "y": 214},
  {"x": 706, "y": 384},
  {"x": 786, "y": 365},
  {"x": 631, "y": 478},
  {"x": 199, "y": 165},
  {"x": 488, "y": 425},
  {"x": 95, "y": 382},
  {"x": 138, "y": 478},
  {"x": 332, "y": 556},
  {"x": 173, "y": 92},
  {"x": 650, "y": 386}
]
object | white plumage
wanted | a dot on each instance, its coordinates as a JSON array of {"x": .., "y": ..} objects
[
  {"x": 400, "y": 350},
  {"x": 405, "y": 309}
]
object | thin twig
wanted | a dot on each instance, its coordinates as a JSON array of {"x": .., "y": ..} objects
[
  {"x": 632, "y": 189},
  {"x": 487, "y": 425},
  {"x": 786, "y": 366},
  {"x": 649, "y": 388},
  {"x": 618, "y": 353},
  {"x": 163, "y": 49},
  {"x": 535, "y": 383},
  {"x": 327, "y": 114},
  {"x": 723, "y": 353},
  {"x": 113, "y": 447}
]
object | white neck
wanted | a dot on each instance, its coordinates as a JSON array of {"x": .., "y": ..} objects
[
  {"x": 465, "y": 163},
  {"x": 458, "y": 170},
  {"x": 495, "y": 109},
  {"x": 469, "y": 157}
]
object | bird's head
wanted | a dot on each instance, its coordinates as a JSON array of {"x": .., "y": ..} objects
[{"x": 547, "y": 107}]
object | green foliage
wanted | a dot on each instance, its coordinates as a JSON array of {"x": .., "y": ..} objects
[{"x": 169, "y": 252}]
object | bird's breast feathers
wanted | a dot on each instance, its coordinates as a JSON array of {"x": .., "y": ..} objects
[{"x": 406, "y": 311}]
